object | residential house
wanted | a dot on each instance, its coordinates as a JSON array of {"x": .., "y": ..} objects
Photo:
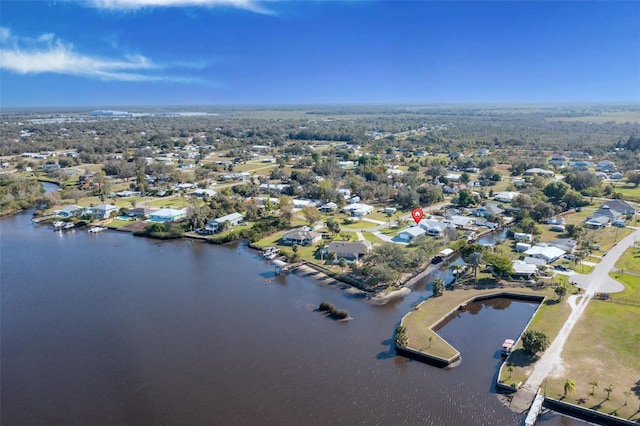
[
  {"x": 539, "y": 172},
  {"x": 520, "y": 236},
  {"x": 619, "y": 206},
  {"x": 301, "y": 236},
  {"x": 488, "y": 211},
  {"x": 558, "y": 161},
  {"x": 127, "y": 193},
  {"x": 566, "y": 244},
  {"x": 69, "y": 211},
  {"x": 328, "y": 208},
  {"x": 482, "y": 152},
  {"x": 168, "y": 215},
  {"x": 523, "y": 269},
  {"x": 555, "y": 221},
  {"x": 350, "y": 250},
  {"x": 547, "y": 253},
  {"x": 201, "y": 193},
  {"x": 597, "y": 222},
  {"x": 104, "y": 211},
  {"x": 505, "y": 196},
  {"x": 411, "y": 232},
  {"x": 358, "y": 209},
  {"x": 606, "y": 166},
  {"x": 522, "y": 247},
  {"x": 232, "y": 220},
  {"x": 435, "y": 228}
]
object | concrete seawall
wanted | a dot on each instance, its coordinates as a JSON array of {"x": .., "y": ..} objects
[
  {"x": 443, "y": 362},
  {"x": 585, "y": 413}
]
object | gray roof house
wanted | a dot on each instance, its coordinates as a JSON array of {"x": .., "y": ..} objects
[
  {"x": 488, "y": 210},
  {"x": 350, "y": 250},
  {"x": 619, "y": 206},
  {"x": 69, "y": 211},
  {"x": 301, "y": 236},
  {"x": 104, "y": 211},
  {"x": 232, "y": 219}
]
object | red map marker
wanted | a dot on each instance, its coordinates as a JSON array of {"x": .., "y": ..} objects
[{"x": 417, "y": 214}]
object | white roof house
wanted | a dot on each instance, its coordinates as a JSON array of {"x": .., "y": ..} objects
[
  {"x": 506, "y": 196},
  {"x": 168, "y": 215},
  {"x": 358, "y": 209},
  {"x": 435, "y": 227},
  {"x": 411, "y": 232},
  {"x": 233, "y": 219},
  {"x": 549, "y": 254},
  {"x": 523, "y": 269}
]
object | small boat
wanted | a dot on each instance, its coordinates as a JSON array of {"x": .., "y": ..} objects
[
  {"x": 270, "y": 252},
  {"x": 57, "y": 226},
  {"x": 68, "y": 226},
  {"x": 507, "y": 346},
  {"x": 96, "y": 229}
]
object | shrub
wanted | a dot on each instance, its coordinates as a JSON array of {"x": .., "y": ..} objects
[
  {"x": 339, "y": 314},
  {"x": 326, "y": 306}
]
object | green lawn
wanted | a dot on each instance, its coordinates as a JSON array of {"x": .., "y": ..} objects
[
  {"x": 362, "y": 224},
  {"x": 629, "y": 192},
  {"x": 419, "y": 321},
  {"x": 372, "y": 238},
  {"x": 630, "y": 260},
  {"x": 612, "y": 341},
  {"x": 171, "y": 202},
  {"x": 632, "y": 287},
  {"x": 549, "y": 319}
]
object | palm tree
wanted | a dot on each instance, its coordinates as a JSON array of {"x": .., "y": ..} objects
[
  {"x": 608, "y": 390},
  {"x": 594, "y": 384},
  {"x": 626, "y": 396},
  {"x": 475, "y": 259},
  {"x": 569, "y": 387},
  {"x": 430, "y": 340},
  {"x": 510, "y": 370}
]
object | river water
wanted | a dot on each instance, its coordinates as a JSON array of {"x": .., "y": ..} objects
[{"x": 114, "y": 329}]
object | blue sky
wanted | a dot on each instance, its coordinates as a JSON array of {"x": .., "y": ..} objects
[{"x": 214, "y": 52}]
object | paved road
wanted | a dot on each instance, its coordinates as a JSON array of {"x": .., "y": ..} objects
[{"x": 550, "y": 364}]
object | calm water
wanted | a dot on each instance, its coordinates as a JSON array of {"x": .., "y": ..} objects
[{"x": 113, "y": 329}]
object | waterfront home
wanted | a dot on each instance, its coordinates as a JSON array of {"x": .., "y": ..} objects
[
  {"x": 411, "y": 232},
  {"x": 523, "y": 269},
  {"x": 301, "y": 236},
  {"x": 69, "y": 211},
  {"x": 435, "y": 228},
  {"x": 520, "y": 236},
  {"x": 547, "y": 253},
  {"x": 104, "y": 211},
  {"x": 232, "y": 219},
  {"x": 358, "y": 209},
  {"x": 488, "y": 211},
  {"x": 350, "y": 250},
  {"x": 168, "y": 215}
]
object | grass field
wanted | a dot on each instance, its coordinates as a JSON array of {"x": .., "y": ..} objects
[
  {"x": 603, "y": 346},
  {"x": 630, "y": 260},
  {"x": 549, "y": 319}
]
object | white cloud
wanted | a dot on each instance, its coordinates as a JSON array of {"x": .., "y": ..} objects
[
  {"x": 250, "y": 5},
  {"x": 46, "y": 54}
]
